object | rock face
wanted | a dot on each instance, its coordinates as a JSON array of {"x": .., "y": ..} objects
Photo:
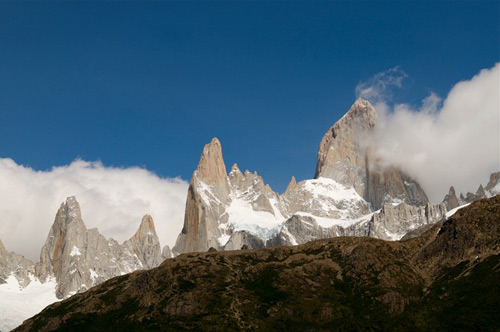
[
  {"x": 145, "y": 244},
  {"x": 72, "y": 260},
  {"x": 243, "y": 239},
  {"x": 451, "y": 201},
  {"x": 208, "y": 195},
  {"x": 493, "y": 186},
  {"x": 80, "y": 258},
  {"x": 342, "y": 156},
  {"x": 346, "y": 157},
  {"x": 392, "y": 222},
  {"x": 228, "y": 211},
  {"x": 395, "y": 221},
  {"x": 16, "y": 265},
  {"x": 445, "y": 280}
]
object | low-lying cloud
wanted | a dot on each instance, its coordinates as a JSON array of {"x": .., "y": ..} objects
[
  {"x": 455, "y": 141},
  {"x": 112, "y": 199}
]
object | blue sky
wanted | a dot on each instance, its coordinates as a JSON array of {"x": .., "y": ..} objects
[{"x": 149, "y": 83}]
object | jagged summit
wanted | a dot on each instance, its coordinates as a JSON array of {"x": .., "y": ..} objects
[
  {"x": 360, "y": 109},
  {"x": 147, "y": 227},
  {"x": 71, "y": 210},
  {"x": 145, "y": 244},
  {"x": 345, "y": 157},
  {"x": 291, "y": 184},
  {"x": 493, "y": 185},
  {"x": 341, "y": 156},
  {"x": 79, "y": 258},
  {"x": 230, "y": 211},
  {"x": 211, "y": 168},
  {"x": 492, "y": 188},
  {"x": 74, "y": 259},
  {"x": 235, "y": 169},
  {"x": 451, "y": 201}
]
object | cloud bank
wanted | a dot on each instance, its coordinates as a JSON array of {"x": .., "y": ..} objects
[
  {"x": 455, "y": 141},
  {"x": 112, "y": 199}
]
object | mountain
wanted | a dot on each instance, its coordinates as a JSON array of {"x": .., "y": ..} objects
[
  {"x": 346, "y": 157},
  {"x": 353, "y": 193},
  {"x": 451, "y": 201},
  {"x": 73, "y": 259},
  {"x": 447, "y": 279}
]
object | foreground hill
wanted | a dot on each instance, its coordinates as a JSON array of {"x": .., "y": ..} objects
[{"x": 446, "y": 279}]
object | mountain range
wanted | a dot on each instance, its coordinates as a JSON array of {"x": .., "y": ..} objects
[
  {"x": 447, "y": 279},
  {"x": 354, "y": 193}
]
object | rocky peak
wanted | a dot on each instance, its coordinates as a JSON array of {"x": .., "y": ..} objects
[
  {"x": 208, "y": 197},
  {"x": 341, "y": 155},
  {"x": 362, "y": 112},
  {"x": 69, "y": 212},
  {"x": 480, "y": 193},
  {"x": 292, "y": 184},
  {"x": 145, "y": 244},
  {"x": 67, "y": 231},
  {"x": 451, "y": 201},
  {"x": 235, "y": 169},
  {"x": 211, "y": 169},
  {"x": 146, "y": 229},
  {"x": 493, "y": 186},
  {"x": 491, "y": 189},
  {"x": 236, "y": 178},
  {"x": 79, "y": 258},
  {"x": 3, "y": 251},
  {"x": 345, "y": 158}
]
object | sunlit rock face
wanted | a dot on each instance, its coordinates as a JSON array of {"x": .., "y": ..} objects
[
  {"x": 345, "y": 156},
  {"x": 229, "y": 211},
  {"x": 79, "y": 258}
]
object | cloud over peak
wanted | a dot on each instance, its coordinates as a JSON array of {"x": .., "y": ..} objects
[
  {"x": 455, "y": 141},
  {"x": 112, "y": 199}
]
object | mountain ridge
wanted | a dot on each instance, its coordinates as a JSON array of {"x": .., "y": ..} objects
[
  {"x": 74, "y": 259},
  {"x": 350, "y": 185},
  {"x": 351, "y": 283}
]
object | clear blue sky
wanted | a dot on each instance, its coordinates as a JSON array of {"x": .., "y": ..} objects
[{"x": 149, "y": 83}]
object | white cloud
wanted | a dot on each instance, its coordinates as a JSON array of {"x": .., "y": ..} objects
[
  {"x": 442, "y": 143},
  {"x": 112, "y": 199},
  {"x": 379, "y": 88}
]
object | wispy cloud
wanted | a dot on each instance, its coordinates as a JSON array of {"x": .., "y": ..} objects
[
  {"x": 455, "y": 141},
  {"x": 112, "y": 199},
  {"x": 380, "y": 87}
]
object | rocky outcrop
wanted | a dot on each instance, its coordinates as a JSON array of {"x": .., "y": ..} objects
[
  {"x": 166, "y": 253},
  {"x": 80, "y": 258},
  {"x": 493, "y": 186},
  {"x": 324, "y": 198},
  {"x": 451, "y": 201},
  {"x": 393, "y": 222},
  {"x": 300, "y": 229},
  {"x": 243, "y": 239},
  {"x": 346, "y": 157}
]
